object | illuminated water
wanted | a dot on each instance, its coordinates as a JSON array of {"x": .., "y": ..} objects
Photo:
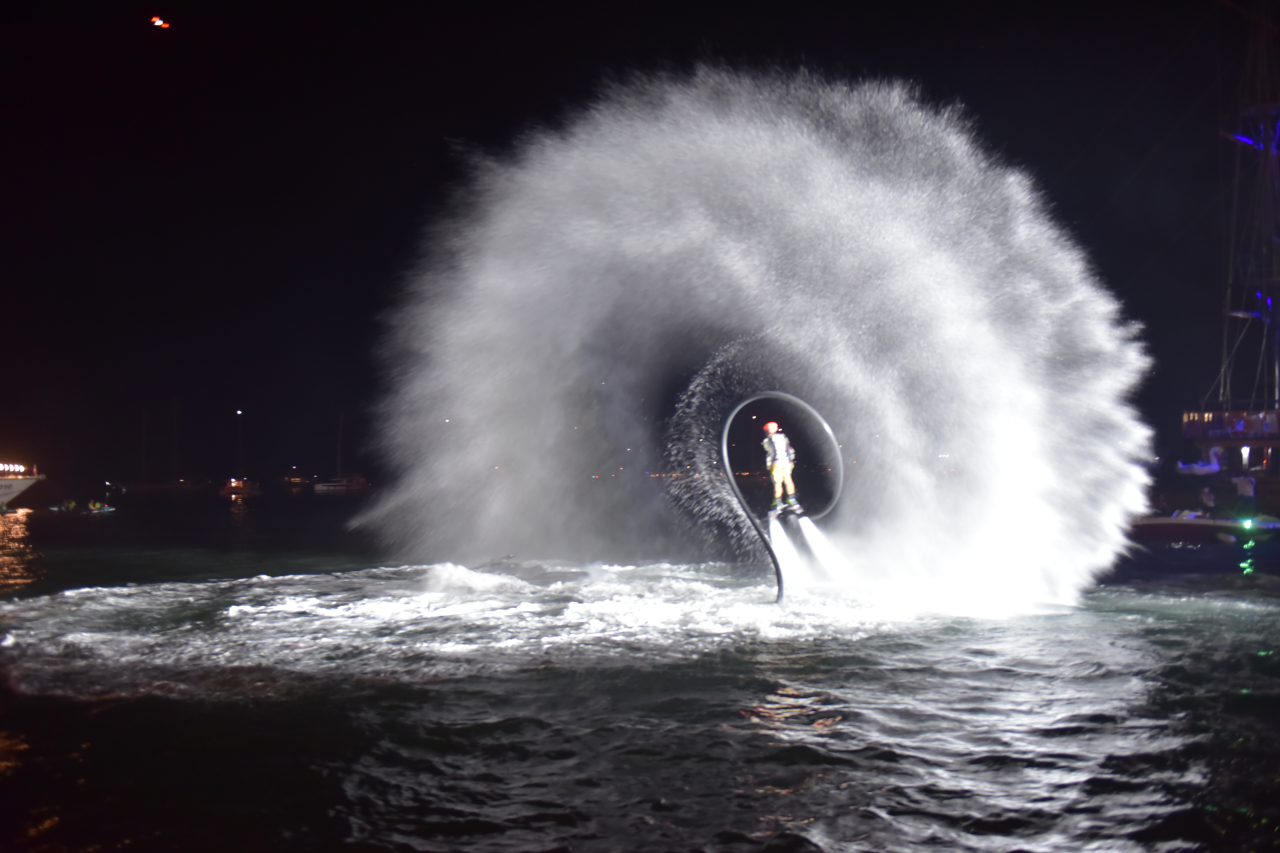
[{"x": 253, "y": 684}]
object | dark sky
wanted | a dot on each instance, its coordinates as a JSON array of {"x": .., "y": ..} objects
[{"x": 213, "y": 216}]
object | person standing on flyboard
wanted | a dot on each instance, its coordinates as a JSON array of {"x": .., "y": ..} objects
[{"x": 780, "y": 456}]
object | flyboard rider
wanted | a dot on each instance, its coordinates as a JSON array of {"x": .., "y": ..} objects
[{"x": 780, "y": 456}]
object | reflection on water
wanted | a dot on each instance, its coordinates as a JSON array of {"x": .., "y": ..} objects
[
  {"x": 17, "y": 557},
  {"x": 249, "y": 663},
  {"x": 241, "y": 525},
  {"x": 191, "y": 537}
]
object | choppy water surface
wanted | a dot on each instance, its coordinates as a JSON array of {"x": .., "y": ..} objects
[{"x": 242, "y": 698}]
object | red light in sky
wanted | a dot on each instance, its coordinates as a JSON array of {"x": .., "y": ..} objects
[{"x": 158, "y": 22}]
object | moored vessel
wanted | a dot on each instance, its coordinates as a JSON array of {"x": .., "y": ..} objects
[
  {"x": 239, "y": 487},
  {"x": 1236, "y": 425},
  {"x": 14, "y": 480},
  {"x": 347, "y": 484}
]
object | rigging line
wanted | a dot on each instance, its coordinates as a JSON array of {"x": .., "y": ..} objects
[
  {"x": 1151, "y": 154},
  {"x": 1124, "y": 109},
  {"x": 1225, "y": 223},
  {"x": 1226, "y": 365},
  {"x": 1262, "y": 359}
]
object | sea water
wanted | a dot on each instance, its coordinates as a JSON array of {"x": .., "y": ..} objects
[{"x": 221, "y": 693}]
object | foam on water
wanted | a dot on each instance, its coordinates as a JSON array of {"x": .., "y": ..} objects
[
  {"x": 596, "y": 690},
  {"x": 608, "y": 291},
  {"x": 416, "y": 623},
  {"x": 410, "y": 623}
]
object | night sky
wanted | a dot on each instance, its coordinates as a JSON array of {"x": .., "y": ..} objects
[{"x": 217, "y": 215}]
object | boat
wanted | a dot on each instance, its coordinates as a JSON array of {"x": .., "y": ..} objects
[
  {"x": 343, "y": 484},
  {"x": 69, "y": 506},
  {"x": 1193, "y": 528},
  {"x": 347, "y": 484},
  {"x": 1236, "y": 426},
  {"x": 239, "y": 487},
  {"x": 14, "y": 480}
]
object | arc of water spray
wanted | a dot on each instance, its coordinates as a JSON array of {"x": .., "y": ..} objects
[
  {"x": 693, "y": 238},
  {"x": 838, "y": 469}
]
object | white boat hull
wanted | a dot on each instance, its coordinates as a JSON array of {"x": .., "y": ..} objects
[{"x": 11, "y": 487}]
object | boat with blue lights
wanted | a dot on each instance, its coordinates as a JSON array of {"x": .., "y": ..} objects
[{"x": 1236, "y": 426}]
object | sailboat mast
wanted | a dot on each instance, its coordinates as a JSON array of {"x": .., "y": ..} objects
[
  {"x": 1247, "y": 419},
  {"x": 1262, "y": 116},
  {"x": 173, "y": 445},
  {"x": 338, "y": 471},
  {"x": 1252, "y": 323}
]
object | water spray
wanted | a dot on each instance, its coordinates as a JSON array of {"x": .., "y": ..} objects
[{"x": 600, "y": 298}]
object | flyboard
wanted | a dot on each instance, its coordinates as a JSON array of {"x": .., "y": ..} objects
[
  {"x": 791, "y": 510},
  {"x": 819, "y": 432}
]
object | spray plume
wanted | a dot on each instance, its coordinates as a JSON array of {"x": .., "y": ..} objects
[{"x": 605, "y": 294}]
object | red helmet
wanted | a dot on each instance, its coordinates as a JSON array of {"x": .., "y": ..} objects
[{"x": 770, "y": 424}]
